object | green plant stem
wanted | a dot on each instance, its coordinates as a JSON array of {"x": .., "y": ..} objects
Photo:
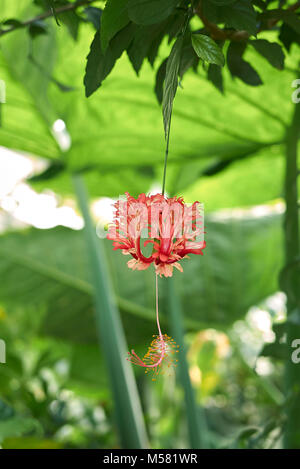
[
  {"x": 292, "y": 290},
  {"x": 128, "y": 411},
  {"x": 195, "y": 416}
]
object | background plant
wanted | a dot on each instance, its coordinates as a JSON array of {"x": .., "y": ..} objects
[{"x": 229, "y": 149}]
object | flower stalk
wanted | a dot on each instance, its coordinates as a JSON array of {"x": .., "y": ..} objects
[{"x": 162, "y": 348}]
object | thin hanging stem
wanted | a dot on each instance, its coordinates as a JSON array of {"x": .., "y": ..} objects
[
  {"x": 157, "y": 315},
  {"x": 160, "y": 352}
]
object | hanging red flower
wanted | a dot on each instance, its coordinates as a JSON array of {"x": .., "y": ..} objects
[{"x": 174, "y": 229}]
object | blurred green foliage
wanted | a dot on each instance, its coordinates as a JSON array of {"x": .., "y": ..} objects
[{"x": 226, "y": 149}]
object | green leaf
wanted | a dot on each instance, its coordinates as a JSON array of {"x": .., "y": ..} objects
[
  {"x": 214, "y": 74},
  {"x": 189, "y": 58},
  {"x": 271, "y": 51},
  {"x": 212, "y": 13},
  {"x": 287, "y": 16},
  {"x": 52, "y": 263},
  {"x": 150, "y": 11},
  {"x": 100, "y": 64},
  {"x": 241, "y": 440},
  {"x": 244, "y": 180},
  {"x": 12, "y": 425},
  {"x": 72, "y": 20},
  {"x": 171, "y": 82},
  {"x": 13, "y": 22},
  {"x": 29, "y": 84},
  {"x": 6, "y": 412},
  {"x": 207, "y": 49},
  {"x": 52, "y": 7},
  {"x": 154, "y": 47},
  {"x": 55, "y": 168},
  {"x": 143, "y": 40},
  {"x": 292, "y": 19},
  {"x": 227, "y": 243},
  {"x": 36, "y": 28},
  {"x": 113, "y": 165},
  {"x": 93, "y": 15},
  {"x": 288, "y": 36},
  {"x": 176, "y": 24},
  {"x": 241, "y": 16},
  {"x": 239, "y": 67},
  {"x": 113, "y": 19},
  {"x": 277, "y": 350},
  {"x": 147, "y": 40},
  {"x": 159, "y": 80},
  {"x": 63, "y": 290},
  {"x": 17, "y": 426}
]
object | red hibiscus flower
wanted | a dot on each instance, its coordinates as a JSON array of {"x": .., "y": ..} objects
[{"x": 172, "y": 227}]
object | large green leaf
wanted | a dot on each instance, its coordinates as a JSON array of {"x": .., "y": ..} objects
[
  {"x": 239, "y": 67},
  {"x": 246, "y": 182},
  {"x": 271, "y": 51},
  {"x": 50, "y": 274},
  {"x": 119, "y": 128},
  {"x": 240, "y": 267},
  {"x": 26, "y": 68},
  {"x": 216, "y": 289},
  {"x": 31, "y": 62},
  {"x": 28, "y": 132}
]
